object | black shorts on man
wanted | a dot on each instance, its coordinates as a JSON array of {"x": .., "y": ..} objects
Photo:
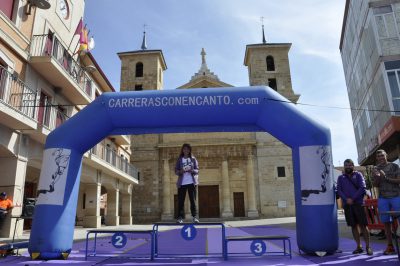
[{"x": 355, "y": 214}]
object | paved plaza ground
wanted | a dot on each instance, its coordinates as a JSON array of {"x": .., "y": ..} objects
[{"x": 206, "y": 248}]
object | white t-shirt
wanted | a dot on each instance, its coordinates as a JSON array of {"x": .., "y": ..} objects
[{"x": 187, "y": 176}]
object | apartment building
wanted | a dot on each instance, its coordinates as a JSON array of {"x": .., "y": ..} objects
[
  {"x": 44, "y": 82},
  {"x": 370, "y": 49}
]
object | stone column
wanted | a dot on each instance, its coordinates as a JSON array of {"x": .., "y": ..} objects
[
  {"x": 226, "y": 192},
  {"x": 166, "y": 213},
  {"x": 126, "y": 208},
  {"x": 126, "y": 215},
  {"x": 92, "y": 217},
  {"x": 112, "y": 217},
  {"x": 251, "y": 191}
]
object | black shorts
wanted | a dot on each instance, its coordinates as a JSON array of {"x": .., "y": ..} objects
[{"x": 355, "y": 214}]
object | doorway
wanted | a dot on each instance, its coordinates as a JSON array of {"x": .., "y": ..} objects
[
  {"x": 44, "y": 109},
  {"x": 209, "y": 201},
  {"x": 238, "y": 204}
]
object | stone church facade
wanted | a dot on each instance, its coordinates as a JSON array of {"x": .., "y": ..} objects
[{"x": 242, "y": 175}]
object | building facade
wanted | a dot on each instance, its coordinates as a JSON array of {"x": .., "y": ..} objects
[
  {"x": 44, "y": 82},
  {"x": 370, "y": 49},
  {"x": 242, "y": 175}
]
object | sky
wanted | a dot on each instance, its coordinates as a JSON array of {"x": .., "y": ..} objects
[{"x": 181, "y": 28}]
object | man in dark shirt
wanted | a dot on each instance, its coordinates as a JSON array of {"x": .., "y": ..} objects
[
  {"x": 386, "y": 176},
  {"x": 351, "y": 189}
]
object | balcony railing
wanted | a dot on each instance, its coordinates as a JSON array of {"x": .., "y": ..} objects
[
  {"x": 16, "y": 94},
  {"x": 19, "y": 97},
  {"x": 50, "y": 45},
  {"x": 50, "y": 115},
  {"x": 110, "y": 156}
]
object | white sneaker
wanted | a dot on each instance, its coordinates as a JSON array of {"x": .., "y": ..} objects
[
  {"x": 179, "y": 221},
  {"x": 195, "y": 220}
]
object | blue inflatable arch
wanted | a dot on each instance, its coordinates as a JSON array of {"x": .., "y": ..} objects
[{"x": 245, "y": 109}]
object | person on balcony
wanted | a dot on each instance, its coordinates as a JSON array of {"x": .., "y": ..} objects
[
  {"x": 351, "y": 189},
  {"x": 386, "y": 176},
  {"x": 187, "y": 170}
]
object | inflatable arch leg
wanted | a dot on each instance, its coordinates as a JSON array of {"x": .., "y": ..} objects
[{"x": 53, "y": 224}]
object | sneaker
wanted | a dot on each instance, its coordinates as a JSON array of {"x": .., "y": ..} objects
[
  {"x": 358, "y": 251},
  {"x": 369, "y": 251},
  {"x": 195, "y": 220},
  {"x": 389, "y": 250},
  {"x": 179, "y": 221}
]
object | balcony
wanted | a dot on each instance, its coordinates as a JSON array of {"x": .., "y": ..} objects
[
  {"x": 26, "y": 109},
  {"x": 102, "y": 153},
  {"x": 54, "y": 62},
  {"x": 121, "y": 139},
  {"x": 49, "y": 117},
  {"x": 100, "y": 157},
  {"x": 17, "y": 101},
  {"x": 22, "y": 108}
]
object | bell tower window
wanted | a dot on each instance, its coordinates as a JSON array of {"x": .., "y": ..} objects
[
  {"x": 272, "y": 84},
  {"x": 139, "y": 70},
  {"x": 270, "y": 63}
]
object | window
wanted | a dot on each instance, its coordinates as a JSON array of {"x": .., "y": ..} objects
[
  {"x": 3, "y": 79},
  {"x": 371, "y": 108},
  {"x": 272, "y": 84},
  {"x": 49, "y": 46},
  {"x": 270, "y": 63},
  {"x": 139, "y": 70},
  {"x": 392, "y": 65},
  {"x": 385, "y": 22},
  {"x": 7, "y": 6},
  {"x": 367, "y": 117},
  {"x": 61, "y": 116},
  {"x": 363, "y": 122},
  {"x": 124, "y": 163},
  {"x": 281, "y": 171},
  {"x": 114, "y": 157},
  {"x": 382, "y": 10},
  {"x": 44, "y": 109},
  {"x": 393, "y": 74},
  {"x": 108, "y": 153},
  {"x": 393, "y": 77},
  {"x": 359, "y": 130},
  {"x": 89, "y": 87},
  {"x": 138, "y": 87},
  {"x": 84, "y": 201}
]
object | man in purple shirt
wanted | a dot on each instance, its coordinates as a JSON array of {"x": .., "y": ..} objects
[{"x": 351, "y": 189}]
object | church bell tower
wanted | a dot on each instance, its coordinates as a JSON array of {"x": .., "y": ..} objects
[
  {"x": 142, "y": 69},
  {"x": 268, "y": 65}
]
